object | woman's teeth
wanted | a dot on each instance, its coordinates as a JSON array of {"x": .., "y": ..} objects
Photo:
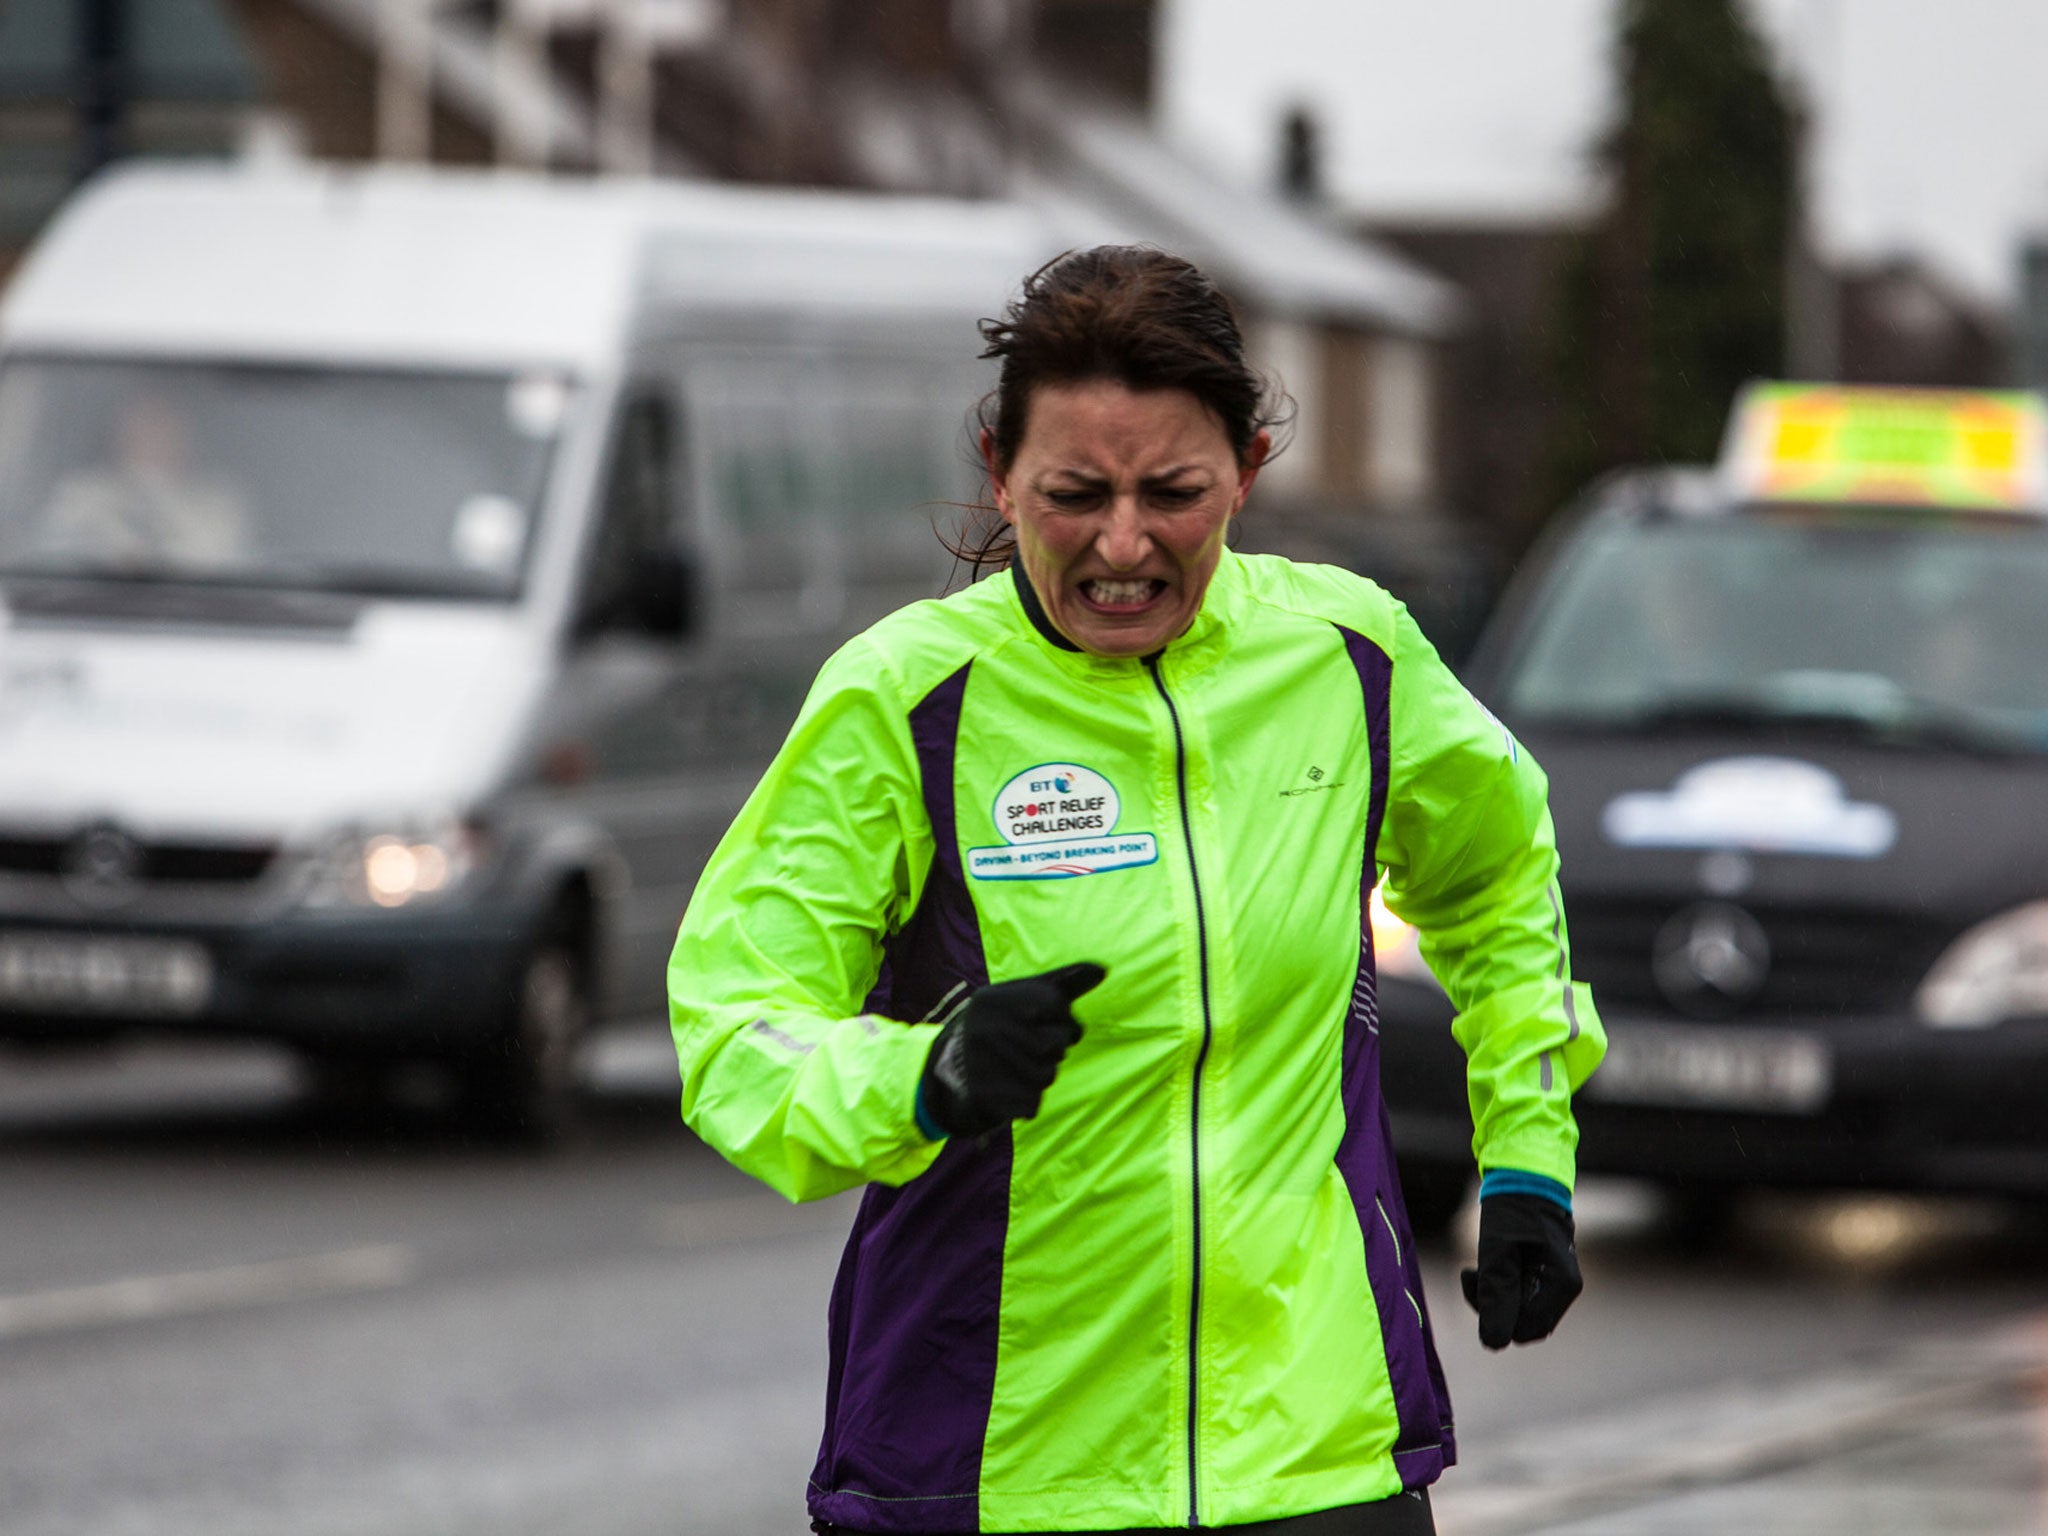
[{"x": 1117, "y": 594}]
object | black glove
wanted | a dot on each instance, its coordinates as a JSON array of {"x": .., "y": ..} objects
[
  {"x": 1000, "y": 1050},
  {"x": 1528, "y": 1269}
]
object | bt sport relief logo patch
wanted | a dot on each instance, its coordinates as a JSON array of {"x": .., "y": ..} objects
[{"x": 1057, "y": 821}]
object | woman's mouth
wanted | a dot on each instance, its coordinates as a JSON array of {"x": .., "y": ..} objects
[{"x": 1120, "y": 594}]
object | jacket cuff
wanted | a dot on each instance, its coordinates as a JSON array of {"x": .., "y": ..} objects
[
  {"x": 930, "y": 1128},
  {"x": 1513, "y": 1181}
]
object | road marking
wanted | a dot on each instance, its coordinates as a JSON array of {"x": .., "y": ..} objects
[
  {"x": 373, "y": 1267},
  {"x": 745, "y": 1218},
  {"x": 1736, "y": 1433}
]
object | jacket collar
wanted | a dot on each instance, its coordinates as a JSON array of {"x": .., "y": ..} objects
[
  {"x": 1034, "y": 610},
  {"x": 1204, "y": 635}
]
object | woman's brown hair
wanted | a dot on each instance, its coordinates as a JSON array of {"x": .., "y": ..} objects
[{"x": 1139, "y": 316}]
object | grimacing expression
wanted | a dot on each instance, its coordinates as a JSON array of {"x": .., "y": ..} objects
[{"x": 1120, "y": 499}]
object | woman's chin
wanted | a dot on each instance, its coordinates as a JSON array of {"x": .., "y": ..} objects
[{"x": 1118, "y": 634}]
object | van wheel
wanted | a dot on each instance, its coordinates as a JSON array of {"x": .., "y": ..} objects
[
  {"x": 523, "y": 1089},
  {"x": 1434, "y": 1193}
]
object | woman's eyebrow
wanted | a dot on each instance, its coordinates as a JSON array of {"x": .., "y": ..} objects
[
  {"x": 1091, "y": 478},
  {"x": 1068, "y": 472}
]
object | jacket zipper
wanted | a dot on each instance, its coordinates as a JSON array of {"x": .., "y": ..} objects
[{"x": 1187, "y": 828}]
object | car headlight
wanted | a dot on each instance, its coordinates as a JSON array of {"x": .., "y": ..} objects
[
  {"x": 392, "y": 867},
  {"x": 1396, "y": 946},
  {"x": 1996, "y": 971}
]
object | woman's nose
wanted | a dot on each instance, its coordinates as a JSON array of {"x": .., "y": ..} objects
[{"x": 1123, "y": 541}]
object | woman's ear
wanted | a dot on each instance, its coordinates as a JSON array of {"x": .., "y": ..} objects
[
  {"x": 998, "y": 482},
  {"x": 1254, "y": 460}
]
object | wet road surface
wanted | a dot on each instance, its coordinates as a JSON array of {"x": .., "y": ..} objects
[{"x": 223, "y": 1311}]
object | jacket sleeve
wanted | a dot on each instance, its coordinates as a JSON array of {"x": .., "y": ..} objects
[
  {"x": 1469, "y": 857},
  {"x": 781, "y": 1072}
]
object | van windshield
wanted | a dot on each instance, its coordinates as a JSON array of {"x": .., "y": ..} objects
[
  {"x": 1920, "y": 631},
  {"x": 332, "y": 479}
]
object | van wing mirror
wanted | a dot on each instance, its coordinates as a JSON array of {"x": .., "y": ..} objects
[{"x": 663, "y": 596}]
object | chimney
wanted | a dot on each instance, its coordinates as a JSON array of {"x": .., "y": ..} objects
[{"x": 1301, "y": 155}]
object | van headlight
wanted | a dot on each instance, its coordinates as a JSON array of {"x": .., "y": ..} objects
[
  {"x": 1396, "y": 946},
  {"x": 1996, "y": 971},
  {"x": 392, "y": 867}
]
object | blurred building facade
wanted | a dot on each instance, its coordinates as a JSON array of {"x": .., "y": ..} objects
[
  {"x": 1496, "y": 383},
  {"x": 82, "y": 81},
  {"x": 1904, "y": 323},
  {"x": 1894, "y": 321}
]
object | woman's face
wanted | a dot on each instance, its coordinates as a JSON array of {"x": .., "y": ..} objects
[{"x": 1120, "y": 499}]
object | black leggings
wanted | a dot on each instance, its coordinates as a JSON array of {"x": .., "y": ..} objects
[{"x": 1405, "y": 1514}]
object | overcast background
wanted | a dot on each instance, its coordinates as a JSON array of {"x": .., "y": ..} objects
[{"x": 1933, "y": 113}]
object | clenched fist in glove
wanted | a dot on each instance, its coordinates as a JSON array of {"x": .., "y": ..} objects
[
  {"x": 1000, "y": 1050},
  {"x": 1528, "y": 1269}
]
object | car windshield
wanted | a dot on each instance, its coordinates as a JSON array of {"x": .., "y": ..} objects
[
  {"x": 1907, "y": 629},
  {"x": 328, "y": 478}
]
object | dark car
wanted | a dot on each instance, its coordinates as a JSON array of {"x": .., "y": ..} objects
[{"x": 1798, "y": 760}]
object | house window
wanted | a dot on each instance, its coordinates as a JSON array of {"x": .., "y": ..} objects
[
  {"x": 1289, "y": 351},
  {"x": 1398, "y": 420}
]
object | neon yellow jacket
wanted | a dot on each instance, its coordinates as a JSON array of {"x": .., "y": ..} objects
[{"x": 1186, "y": 1290}]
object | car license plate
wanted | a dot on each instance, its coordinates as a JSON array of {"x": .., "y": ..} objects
[
  {"x": 84, "y": 973},
  {"x": 1688, "y": 1067}
]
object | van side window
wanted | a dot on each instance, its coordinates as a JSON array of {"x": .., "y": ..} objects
[
  {"x": 635, "y": 527},
  {"x": 824, "y": 474},
  {"x": 768, "y": 425}
]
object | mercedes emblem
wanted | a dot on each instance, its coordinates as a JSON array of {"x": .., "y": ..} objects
[
  {"x": 103, "y": 867},
  {"x": 1711, "y": 958}
]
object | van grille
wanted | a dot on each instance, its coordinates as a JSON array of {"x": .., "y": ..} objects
[
  {"x": 169, "y": 863},
  {"x": 32, "y": 855},
  {"x": 1822, "y": 961}
]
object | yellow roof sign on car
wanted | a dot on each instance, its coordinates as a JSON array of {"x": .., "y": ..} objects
[{"x": 1975, "y": 449}]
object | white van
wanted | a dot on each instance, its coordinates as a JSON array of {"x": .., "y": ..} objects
[{"x": 404, "y": 576}]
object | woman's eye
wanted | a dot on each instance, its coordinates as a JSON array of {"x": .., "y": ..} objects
[
  {"x": 1177, "y": 496},
  {"x": 1070, "y": 501}
]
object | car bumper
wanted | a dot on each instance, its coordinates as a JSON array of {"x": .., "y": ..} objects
[
  {"x": 1816, "y": 1102},
  {"x": 431, "y": 982},
  {"x": 1900, "y": 1106}
]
